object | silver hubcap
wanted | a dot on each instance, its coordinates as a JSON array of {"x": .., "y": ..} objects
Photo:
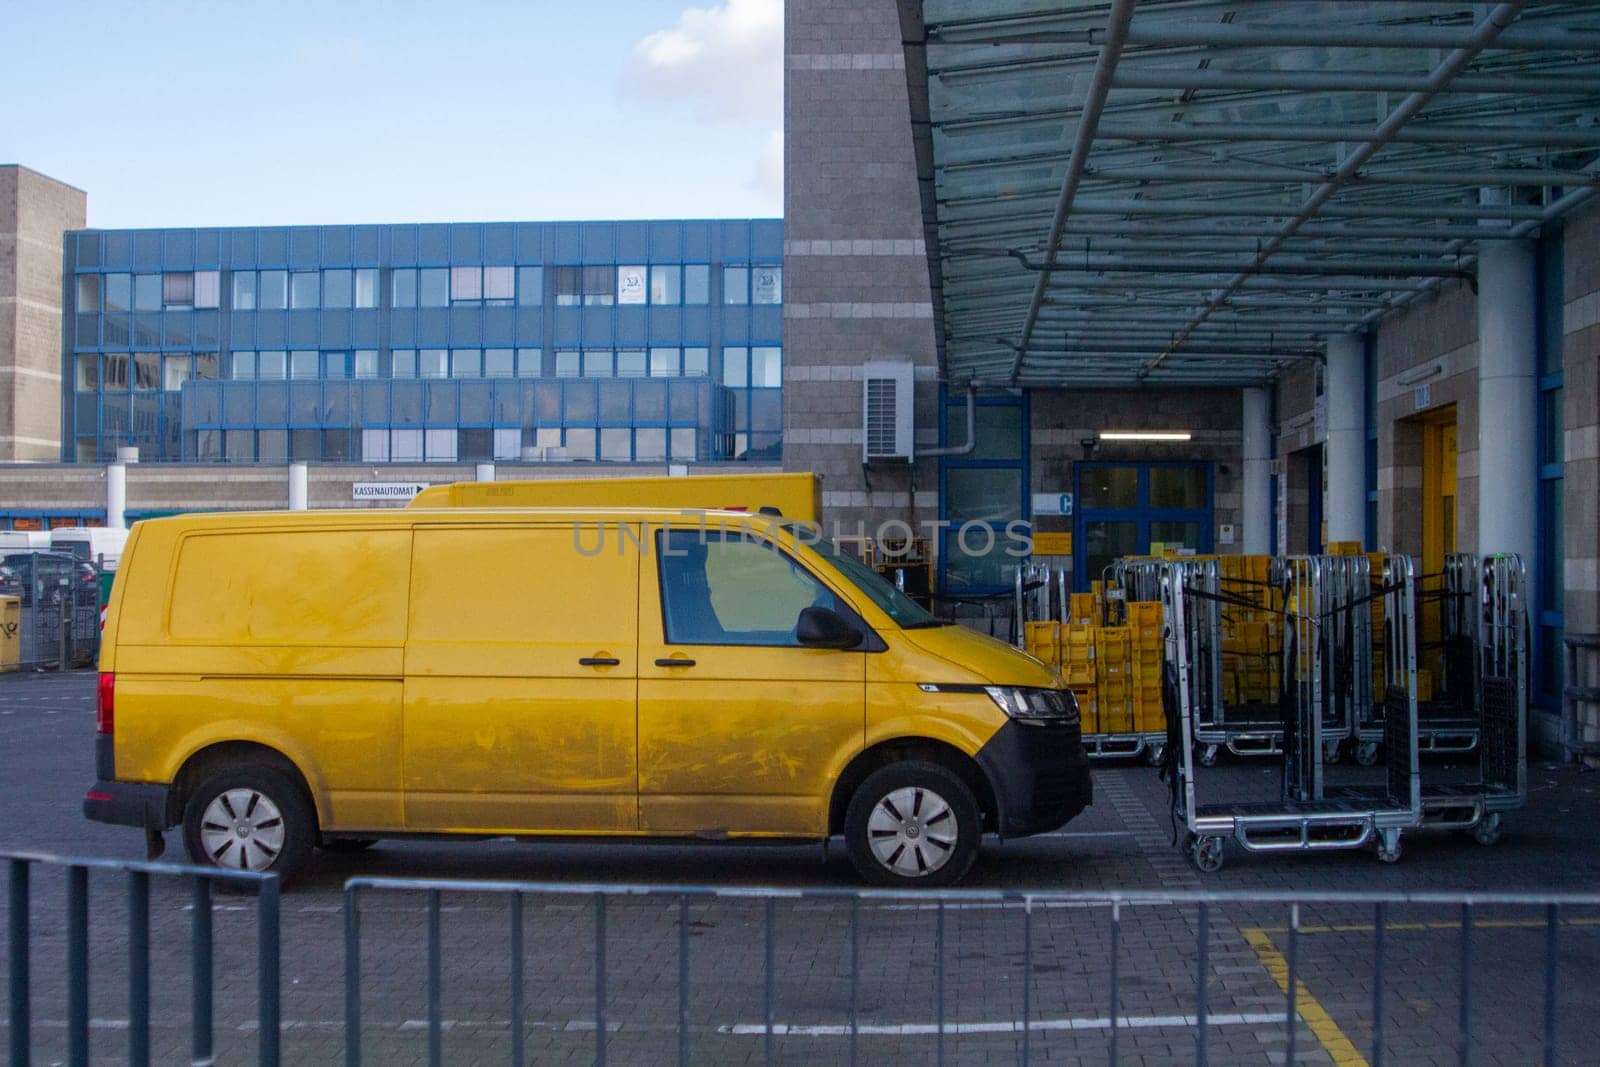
[
  {"x": 242, "y": 828},
  {"x": 912, "y": 831}
]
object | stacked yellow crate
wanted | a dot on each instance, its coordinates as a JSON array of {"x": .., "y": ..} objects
[
  {"x": 1114, "y": 679},
  {"x": 1078, "y": 671},
  {"x": 1144, "y": 627},
  {"x": 1083, "y": 610},
  {"x": 1042, "y": 640}
]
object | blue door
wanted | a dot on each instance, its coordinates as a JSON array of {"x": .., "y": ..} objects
[{"x": 1124, "y": 508}]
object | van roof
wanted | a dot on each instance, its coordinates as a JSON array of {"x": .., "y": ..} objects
[{"x": 452, "y": 516}]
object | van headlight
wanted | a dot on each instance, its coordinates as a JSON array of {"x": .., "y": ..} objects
[{"x": 1055, "y": 706}]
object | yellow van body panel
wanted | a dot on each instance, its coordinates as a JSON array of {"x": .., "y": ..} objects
[{"x": 797, "y": 497}]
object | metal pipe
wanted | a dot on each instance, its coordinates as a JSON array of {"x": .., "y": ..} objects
[
  {"x": 1575, "y": 83},
  {"x": 972, "y": 431},
  {"x": 298, "y": 477},
  {"x": 1265, "y": 174},
  {"x": 1234, "y": 209},
  {"x": 1227, "y": 35},
  {"x": 1162, "y": 229},
  {"x": 117, "y": 496},
  {"x": 1083, "y": 142},
  {"x": 1376, "y": 268},
  {"x": 1483, "y": 35},
  {"x": 1532, "y": 136}
]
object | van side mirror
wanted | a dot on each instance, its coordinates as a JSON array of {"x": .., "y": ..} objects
[{"x": 824, "y": 628}]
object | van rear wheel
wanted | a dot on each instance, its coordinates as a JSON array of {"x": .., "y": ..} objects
[
  {"x": 912, "y": 824},
  {"x": 247, "y": 818}
]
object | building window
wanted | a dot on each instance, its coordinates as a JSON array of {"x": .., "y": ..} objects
[
  {"x": 735, "y": 367},
  {"x": 146, "y": 370},
  {"x": 599, "y": 286},
  {"x": 665, "y": 363},
  {"x": 433, "y": 363},
  {"x": 569, "y": 286},
  {"x": 207, "y": 288},
  {"x": 244, "y": 290},
  {"x": 404, "y": 286},
  {"x": 147, "y": 292},
  {"x": 176, "y": 370},
  {"x": 766, "y": 367},
  {"x": 303, "y": 286},
  {"x": 631, "y": 363},
  {"x": 303, "y": 364},
  {"x": 337, "y": 288},
  {"x": 530, "y": 362},
  {"x": 433, "y": 287},
  {"x": 596, "y": 363},
  {"x": 697, "y": 283},
  {"x": 119, "y": 292},
  {"x": 498, "y": 286},
  {"x": 530, "y": 286},
  {"x": 466, "y": 285},
  {"x": 736, "y": 285},
  {"x": 272, "y": 290},
  {"x": 666, "y": 284},
  {"x": 366, "y": 287},
  {"x": 88, "y": 292},
  {"x": 696, "y": 362},
  {"x": 270, "y": 366},
  {"x": 364, "y": 364},
  {"x": 631, "y": 284},
  {"x": 499, "y": 363},
  {"x": 568, "y": 364},
  {"x": 466, "y": 363},
  {"x": 242, "y": 366},
  {"x": 87, "y": 380},
  {"x": 403, "y": 362},
  {"x": 766, "y": 284},
  {"x": 335, "y": 365}
]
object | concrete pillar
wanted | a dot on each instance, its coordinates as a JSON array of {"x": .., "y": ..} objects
[
  {"x": 1344, "y": 506},
  {"x": 1256, "y": 514},
  {"x": 117, "y": 496},
  {"x": 297, "y": 486},
  {"x": 484, "y": 472},
  {"x": 1507, "y": 399}
]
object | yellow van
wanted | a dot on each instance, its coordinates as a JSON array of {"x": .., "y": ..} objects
[{"x": 279, "y": 682}]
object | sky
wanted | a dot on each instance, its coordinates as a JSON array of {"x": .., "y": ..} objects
[{"x": 229, "y": 113}]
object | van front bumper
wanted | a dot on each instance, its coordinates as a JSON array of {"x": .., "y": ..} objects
[
  {"x": 142, "y": 804},
  {"x": 1040, "y": 776}
]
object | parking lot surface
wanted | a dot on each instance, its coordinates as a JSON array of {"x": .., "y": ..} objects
[{"x": 997, "y": 963}]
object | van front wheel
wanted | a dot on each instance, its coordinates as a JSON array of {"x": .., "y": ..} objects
[
  {"x": 248, "y": 819},
  {"x": 912, "y": 824}
]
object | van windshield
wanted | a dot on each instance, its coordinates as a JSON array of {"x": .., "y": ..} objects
[{"x": 906, "y": 613}]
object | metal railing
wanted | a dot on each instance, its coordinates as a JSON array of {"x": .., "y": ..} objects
[
  {"x": 1284, "y": 968},
  {"x": 21, "y": 867}
]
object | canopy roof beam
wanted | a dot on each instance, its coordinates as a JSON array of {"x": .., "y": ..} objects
[
  {"x": 1130, "y": 76},
  {"x": 1493, "y": 136},
  {"x": 1236, "y": 35}
]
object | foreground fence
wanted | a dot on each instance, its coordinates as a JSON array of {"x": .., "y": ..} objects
[
  {"x": 22, "y": 869},
  {"x": 470, "y": 971},
  {"x": 1171, "y": 944}
]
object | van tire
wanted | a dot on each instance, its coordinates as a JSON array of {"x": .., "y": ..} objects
[
  {"x": 286, "y": 833},
  {"x": 908, "y": 816}
]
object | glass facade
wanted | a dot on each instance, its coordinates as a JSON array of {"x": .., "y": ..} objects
[{"x": 587, "y": 341}]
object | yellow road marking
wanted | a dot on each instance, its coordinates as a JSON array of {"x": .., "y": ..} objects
[
  {"x": 1316, "y": 1017},
  {"x": 1477, "y": 924}
]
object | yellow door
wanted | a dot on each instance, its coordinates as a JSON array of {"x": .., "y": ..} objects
[
  {"x": 741, "y": 729},
  {"x": 1438, "y": 523},
  {"x": 521, "y": 669}
]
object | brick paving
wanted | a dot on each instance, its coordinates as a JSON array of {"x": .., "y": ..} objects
[{"x": 1124, "y": 842}]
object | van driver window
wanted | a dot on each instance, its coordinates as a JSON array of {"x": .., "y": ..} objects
[{"x": 720, "y": 589}]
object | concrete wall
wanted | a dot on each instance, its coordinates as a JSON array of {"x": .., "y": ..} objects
[
  {"x": 1581, "y": 420},
  {"x": 856, "y": 281},
  {"x": 34, "y": 212}
]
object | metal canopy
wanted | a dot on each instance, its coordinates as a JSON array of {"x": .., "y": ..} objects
[{"x": 1189, "y": 192}]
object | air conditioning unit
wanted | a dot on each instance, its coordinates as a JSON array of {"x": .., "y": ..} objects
[{"x": 886, "y": 412}]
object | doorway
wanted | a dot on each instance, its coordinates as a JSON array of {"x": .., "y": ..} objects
[{"x": 1125, "y": 508}]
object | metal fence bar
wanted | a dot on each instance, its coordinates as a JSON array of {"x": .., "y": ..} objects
[
  {"x": 1204, "y": 939},
  {"x": 202, "y": 1021},
  {"x": 683, "y": 979},
  {"x": 352, "y": 977},
  {"x": 517, "y": 1039},
  {"x": 600, "y": 978},
  {"x": 1465, "y": 1047},
  {"x": 1116, "y": 942},
  {"x": 138, "y": 968},
  {"x": 1380, "y": 921},
  {"x": 770, "y": 973},
  {"x": 1291, "y": 1013},
  {"x": 1552, "y": 938},
  {"x": 78, "y": 965},
  {"x": 20, "y": 940},
  {"x": 855, "y": 978},
  {"x": 435, "y": 984},
  {"x": 268, "y": 969}
]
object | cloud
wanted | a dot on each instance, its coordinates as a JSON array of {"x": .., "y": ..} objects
[
  {"x": 768, "y": 176},
  {"x": 725, "y": 61}
]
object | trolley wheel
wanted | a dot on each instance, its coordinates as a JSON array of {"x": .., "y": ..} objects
[
  {"x": 1389, "y": 846},
  {"x": 1208, "y": 756},
  {"x": 1157, "y": 754},
  {"x": 1367, "y": 753},
  {"x": 1488, "y": 829},
  {"x": 1207, "y": 854},
  {"x": 1330, "y": 752}
]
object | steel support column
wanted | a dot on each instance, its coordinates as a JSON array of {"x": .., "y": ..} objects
[
  {"x": 1345, "y": 502},
  {"x": 1256, "y": 516},
  {"x": 1507, "y": 399}
]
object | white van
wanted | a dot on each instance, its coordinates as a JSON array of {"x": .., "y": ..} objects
[
  {"x": 23, "y": 540},
  {"x": 100, "y": 545}
]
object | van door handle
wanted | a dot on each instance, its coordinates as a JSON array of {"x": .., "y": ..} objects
[
  {"x": 674, "y": 663},
  {"x": 599, "y": 661}
]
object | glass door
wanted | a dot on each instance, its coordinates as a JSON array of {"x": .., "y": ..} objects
[{"x": 1125, "y": 508}]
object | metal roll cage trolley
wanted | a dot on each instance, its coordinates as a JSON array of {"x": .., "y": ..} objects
[{"x": 1307, "y": 815}]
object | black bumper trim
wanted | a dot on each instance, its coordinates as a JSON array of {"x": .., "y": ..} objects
[
  {"x": 1040, "y": 776},
  {"x": 139, "y": 804}
]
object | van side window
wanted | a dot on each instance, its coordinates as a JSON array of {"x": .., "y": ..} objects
[{"x": 721, "y": 589}]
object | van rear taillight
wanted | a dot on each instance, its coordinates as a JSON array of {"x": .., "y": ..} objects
[{"x": 105, "y": 704}]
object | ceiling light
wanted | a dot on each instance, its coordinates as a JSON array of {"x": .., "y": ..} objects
[{"x": 1144, "y": 435}]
